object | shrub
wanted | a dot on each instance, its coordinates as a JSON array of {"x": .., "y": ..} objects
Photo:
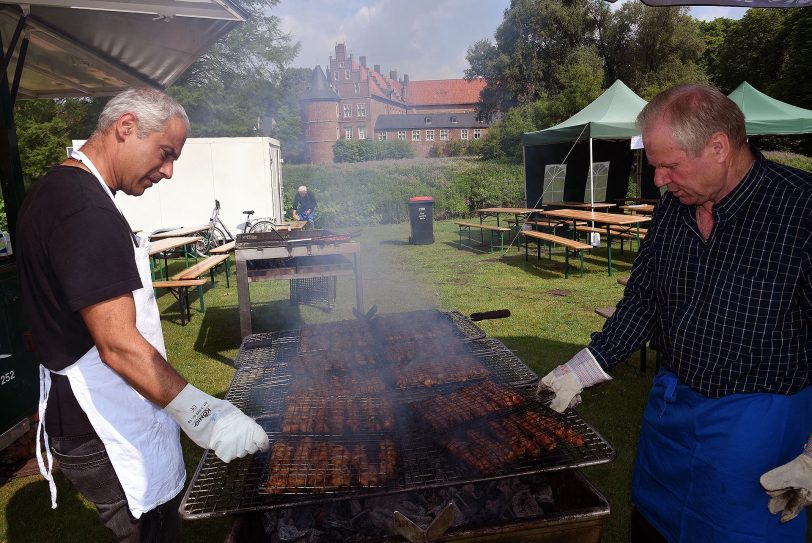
[
  {"x": 790, "y": 159},
  {"x": 366, "y": 150},
  {"x": 366, "y": 194}
]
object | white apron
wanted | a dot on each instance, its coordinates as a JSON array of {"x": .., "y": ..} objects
[{"x": 141, "y": 440}]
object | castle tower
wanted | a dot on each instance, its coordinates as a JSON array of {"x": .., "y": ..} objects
[{"x": 319, "y": 106}]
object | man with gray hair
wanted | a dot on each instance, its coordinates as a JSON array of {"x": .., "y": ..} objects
[
  {"x": 109, "y": 400},
  {"x": 304, "y": 205},
  {"x": 723, "y": 286}
]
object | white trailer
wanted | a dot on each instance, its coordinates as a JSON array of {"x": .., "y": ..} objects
[{"x": 242, "y": 173}]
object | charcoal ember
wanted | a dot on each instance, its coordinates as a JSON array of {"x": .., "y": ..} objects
[{"x": 524, "y": 504}]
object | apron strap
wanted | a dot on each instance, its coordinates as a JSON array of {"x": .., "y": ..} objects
[{"x": 47, "y": 472}]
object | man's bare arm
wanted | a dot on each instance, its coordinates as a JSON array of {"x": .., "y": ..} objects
[{"x": 123, "y": 348}]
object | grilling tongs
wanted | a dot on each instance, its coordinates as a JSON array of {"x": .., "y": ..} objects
[{"x": 415, "y": 534}]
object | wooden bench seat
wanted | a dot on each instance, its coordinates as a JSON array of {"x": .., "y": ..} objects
[
  {"x": 551, "y": 239},
  {"x": 207, "y": 265},
  {"x": 491, "y": 229},
  {"x": 179, "y": 288},
  {"x": 223, "y": 249},
  {"x": 616, "y": 231}
]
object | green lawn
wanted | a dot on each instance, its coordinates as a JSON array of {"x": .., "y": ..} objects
[{"x": 544, "y": 330}]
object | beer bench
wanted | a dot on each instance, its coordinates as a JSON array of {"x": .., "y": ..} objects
[
  {"x": 207, "y": 265},
  {"x": 617, "y": 232},
  {"x": 180, "y": 283},
  {"x": 492, "y": 230},
  {"x": 180, "y": 290},
  {"x": 567, "y": 243}
]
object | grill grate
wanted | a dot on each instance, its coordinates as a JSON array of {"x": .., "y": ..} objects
[
  {"x": 219, "y": 489},
  {"x": 268, "y": 381}
]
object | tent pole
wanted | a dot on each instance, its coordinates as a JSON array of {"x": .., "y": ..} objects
[{"x": 591, "y": 178}]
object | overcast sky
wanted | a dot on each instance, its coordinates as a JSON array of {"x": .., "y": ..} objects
[{"x": 426, "y": 39}]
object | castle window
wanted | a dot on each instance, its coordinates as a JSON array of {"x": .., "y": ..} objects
[
  {"x": 427, "y": 120},
  {"x": 362, "y": 132},
  {"x": 357, "y": 88},
  {"x": 401, "y": 135},
  {"x": 347, "y": 111},
  {"x": 348, "y": 133},
  {"x": 453, "y": 120},
  {"x": 382, "y": 136},
  {"x": 464, "y": 134},
  {"x": 443, "y": 135},
  {"x": 415, "y": 135},
  {"x": 335, "y": 76},
  {"x": 361, "y": 110},
  {"x": 477, "y": 133},
  {"x": 429, "y": 135},
  {"x": 346, "y": 74}
]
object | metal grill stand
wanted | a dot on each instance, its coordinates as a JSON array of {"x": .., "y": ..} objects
[
  {"x": 316, "y": 290},
  {"x": 307, "y": 254}
]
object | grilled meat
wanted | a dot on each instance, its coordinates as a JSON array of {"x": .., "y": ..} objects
[
  {"x": 446, "y": 411},
  {"x": 306, "y": 413},
  {"x": 430, "y": 372},
  {"x": 323, "y": 384},
  {"x": 315, "y": 466}
]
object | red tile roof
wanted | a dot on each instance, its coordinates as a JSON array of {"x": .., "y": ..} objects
[{"x": 443, "y": 91}]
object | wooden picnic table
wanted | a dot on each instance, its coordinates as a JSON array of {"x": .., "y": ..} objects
[
  {"x": 180, "y": 232},
  {"x": 608, "y": 219},
  {"x": 645, "y": 209},
  {"x": 162, "y": 246},
  {"x": 581, "y": 205},
  {"x": 652, "y": 201},
  {"x": 517, "y": 212}
]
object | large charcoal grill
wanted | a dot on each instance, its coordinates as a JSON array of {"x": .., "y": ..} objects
[{"x": 261, "y": 386}]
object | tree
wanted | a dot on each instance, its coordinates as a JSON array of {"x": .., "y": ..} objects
[
  {"x": 652, "y": 48},
  {"x": 285, "y": 115},
  {"x": 46, "y": 127},
  {"x": 226, "y": 90},
  {"x": 534, "y": 40},
  {"x": 714, "y": 33},
  {"x": 753, "y": 50}
]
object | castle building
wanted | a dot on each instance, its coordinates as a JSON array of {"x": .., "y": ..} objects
[{"x": 352, "y": 101}]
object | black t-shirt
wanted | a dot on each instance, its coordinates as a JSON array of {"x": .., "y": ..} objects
[{"x": 74, "y": 249}]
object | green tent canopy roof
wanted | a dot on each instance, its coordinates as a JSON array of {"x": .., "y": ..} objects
[
  {"x": 766, "y": 115},
  {"x": 610, "y": 116}
]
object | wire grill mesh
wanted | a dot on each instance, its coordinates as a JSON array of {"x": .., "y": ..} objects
[{"x": 268, "y": 382}]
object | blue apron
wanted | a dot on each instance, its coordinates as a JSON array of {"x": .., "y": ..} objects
[{"x": 699, "y": 461}]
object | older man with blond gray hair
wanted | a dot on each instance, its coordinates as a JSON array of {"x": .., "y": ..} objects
[
  {"x": 723, "y": 287},
  {"x": 110, "y": 402}
]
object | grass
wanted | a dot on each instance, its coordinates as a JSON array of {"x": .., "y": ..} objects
[{"x": 544, "y": 330}]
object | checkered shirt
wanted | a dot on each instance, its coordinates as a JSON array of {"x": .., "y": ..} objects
[{"x": 733, "y": 314}]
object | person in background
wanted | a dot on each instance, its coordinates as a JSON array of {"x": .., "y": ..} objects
[
  {"x": 304, "y": 205},
  {"x": 723, "y": 285},
  {"x": 110, "y": 402}
]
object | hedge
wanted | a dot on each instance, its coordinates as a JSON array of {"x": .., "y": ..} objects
[{"x": 377, "y": 193}]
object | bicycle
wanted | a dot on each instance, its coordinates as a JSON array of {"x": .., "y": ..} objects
[{"x": 218, "y": 233}]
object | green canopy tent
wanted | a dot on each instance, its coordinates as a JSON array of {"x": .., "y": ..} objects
[
  {"x": 765, "y": 115},
  {"x": 600, "y": 131}
]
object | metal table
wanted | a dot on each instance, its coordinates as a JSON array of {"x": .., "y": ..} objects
[{"x": 300, "y": 255}]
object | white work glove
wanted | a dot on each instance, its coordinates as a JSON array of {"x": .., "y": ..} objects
[
  {"x": 568, "y": 380},
  {"x": 790, "y": 486},
  {"x": 216, "y": 424}
]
